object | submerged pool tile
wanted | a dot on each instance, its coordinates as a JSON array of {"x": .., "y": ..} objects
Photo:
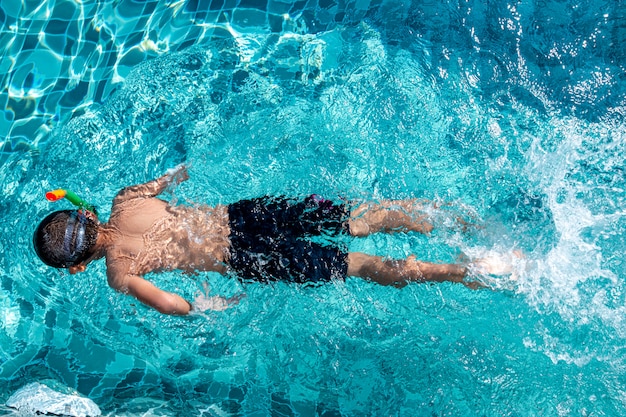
[
  {"x": 11, "y": 9},
  {"x": 56, "y": 27},
  {"x": 203, "y": 6},
  {"x": 253, "y": 4},
  {"x": 86, "y": 382},
  {"x": 50, "y": 102},
  {"x": 56, "y": 44},
  {"x": 21, "y": 108},
  {"x": 74, "y": 97},
  {"x": 67, "y": 10},
  {"x": 278, "y": 7},
  {"x": 248, "y": 18},
  {"x": 30, "y": 42},
  {"x": 131, "y": 9},
  {"x": 30, "y": 128},
  {"x": 47, "y": 65},
  {"x": 132, "y": 57}
]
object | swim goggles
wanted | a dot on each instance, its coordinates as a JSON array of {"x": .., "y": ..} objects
[{"x": 74, "y": 239}]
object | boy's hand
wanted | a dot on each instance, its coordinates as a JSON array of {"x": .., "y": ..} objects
[
  {"x": 177, "y": 174},
  {"x": 204, "y": 302},
  {"x": 215, "y": 303}
]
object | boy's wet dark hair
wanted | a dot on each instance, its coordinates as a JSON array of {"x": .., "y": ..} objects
[{"x": 65, "y": 238}]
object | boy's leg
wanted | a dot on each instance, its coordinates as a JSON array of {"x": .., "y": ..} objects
[
  {"x": 399, "y": 272},
  {"x": 390, "y": 216}
]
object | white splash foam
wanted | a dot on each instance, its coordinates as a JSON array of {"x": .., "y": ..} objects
[{"x": 38, "y": 398}]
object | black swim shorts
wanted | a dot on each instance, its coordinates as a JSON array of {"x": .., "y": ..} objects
[{"x": 269, "y": 242}]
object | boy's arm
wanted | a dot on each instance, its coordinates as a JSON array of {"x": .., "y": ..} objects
[
  {"x": 155, "y": 187},
  {"x": 170, "y": 303},
  {"x": 150, "y": 295}
]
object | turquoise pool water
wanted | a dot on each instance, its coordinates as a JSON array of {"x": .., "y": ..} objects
[{"x": 513, "y": 112}]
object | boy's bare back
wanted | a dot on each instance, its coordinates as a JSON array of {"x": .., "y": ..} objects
[{"x": 146, "y": 234}]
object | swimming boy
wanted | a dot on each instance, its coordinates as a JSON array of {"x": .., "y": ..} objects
[{"x": 262, "y": 239}]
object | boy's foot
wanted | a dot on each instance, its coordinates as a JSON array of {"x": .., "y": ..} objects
[{"x": 497, "y": 264}]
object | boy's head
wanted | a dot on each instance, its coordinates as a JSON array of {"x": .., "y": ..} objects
[{"x": 66, "y": 238}]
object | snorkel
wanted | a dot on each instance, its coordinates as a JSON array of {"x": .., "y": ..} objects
[{"x": 72, "y": 197}]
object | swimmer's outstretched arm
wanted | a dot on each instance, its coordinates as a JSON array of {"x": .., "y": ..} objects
[
  {"x": 155, "y": 187},
  {"x": 170, "y": 303},
  {"x": 152, "y": 296}
]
